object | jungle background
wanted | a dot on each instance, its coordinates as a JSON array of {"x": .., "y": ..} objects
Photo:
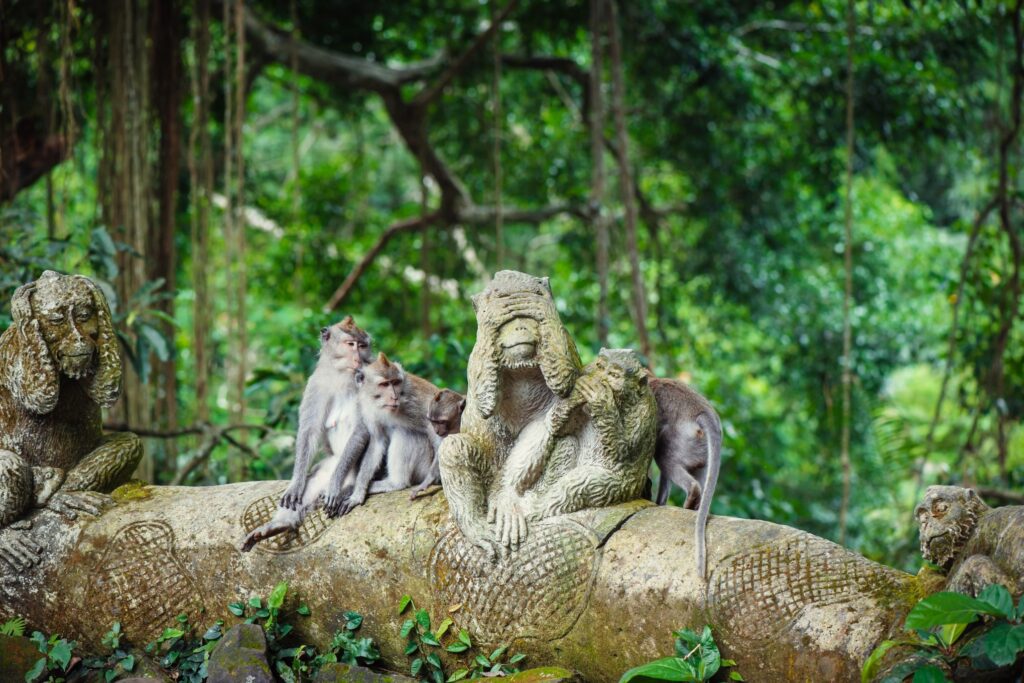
[{"x": 746, "y": 192}]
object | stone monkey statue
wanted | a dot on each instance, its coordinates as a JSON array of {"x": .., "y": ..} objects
[
  {"x": 688, "y": 452},
  {"x": 394, "y": 406},
  {"x": 522, "y": 365},
  {"x": 445, "y": 417},
  {"x": 59, "y": 366},
  {"x": 609, "y": 417},
  {"x": 977, "y": 545},
  {"x": 328, "y": 416}
]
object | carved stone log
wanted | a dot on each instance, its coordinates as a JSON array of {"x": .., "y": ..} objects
[{"x": 598, "y": 590}]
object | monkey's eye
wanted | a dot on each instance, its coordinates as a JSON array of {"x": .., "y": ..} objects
[
  {"x": 83, "y": 314},
  {"x": 364, "y": 345}
]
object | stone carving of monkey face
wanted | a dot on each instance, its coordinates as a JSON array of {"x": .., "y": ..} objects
[
  {"x": 947, "y": 517},
  {"x": 69, "y": 323},
  {"x": 518, "y": 339}
]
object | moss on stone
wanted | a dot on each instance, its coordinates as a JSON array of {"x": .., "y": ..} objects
[{"x": 133, "y": 490}]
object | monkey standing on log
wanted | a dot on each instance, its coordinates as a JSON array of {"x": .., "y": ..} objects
[
  {"x": 328, "y": 414},
  {"x": 445, "y": 416},
  {"x": 688, "y": 449},
  {"x": 395, "y": 430}
]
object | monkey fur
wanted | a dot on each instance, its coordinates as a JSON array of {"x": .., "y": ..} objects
[{"x": 445, "y": 416}]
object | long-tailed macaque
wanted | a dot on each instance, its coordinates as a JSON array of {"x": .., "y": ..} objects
[
  {"x": 328, "y": 414},
  {"x": 688, "y": 449},
  {"x": 395, "y": 430},
  {"x": 445, "y": 417}
]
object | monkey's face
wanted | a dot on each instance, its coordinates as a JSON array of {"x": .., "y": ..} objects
[
  {"x": 518, "y": 339},
  {"x": 348, "y": 345},
  {"x": 69, "y": 323},
  {"x": 445, "y": 413},
  {"x": 384, "y": 383},
  {"x": 45, "y": 482},
  {"x": 946, "y": 518}
]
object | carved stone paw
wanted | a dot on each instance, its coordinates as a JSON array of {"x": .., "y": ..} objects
[
  {"x": 18, "y": 551},
  {"x": 976, "y": 573},
  {"x": 510, "y": 526},
  {"x": 70, "y": 503}
]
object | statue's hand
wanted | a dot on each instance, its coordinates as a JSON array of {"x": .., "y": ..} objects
[
  {"x": 292, "y": 498},
  {"x": 70, "y": 503},
  {"x": 597, "y": 393},
  {"x": 510, "y": 528},
  {"x": 18, "y": 551}
]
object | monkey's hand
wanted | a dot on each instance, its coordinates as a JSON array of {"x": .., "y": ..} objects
[
  {"x": 70, "y": 503},
  {"x": 335, "y": 506},
  {"x": 292, "y": 498}
]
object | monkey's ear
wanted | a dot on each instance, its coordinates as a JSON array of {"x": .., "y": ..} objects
[
  {"x": 325, "y": 334},
  {"x": 105, "y": 385},
  {"x": 437, "y": 397},
  {"x": 383, "y": 360},
  {"x": 347, "y": 321},
  {"x": 462, "y": 405},
  {"x": 33, "y": 376}
]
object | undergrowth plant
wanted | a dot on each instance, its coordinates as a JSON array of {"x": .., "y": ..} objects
[
  {"x": 697, "y": 659},
  {"x": 56, "y": 662},
  {"x": 935, "y": 629}
]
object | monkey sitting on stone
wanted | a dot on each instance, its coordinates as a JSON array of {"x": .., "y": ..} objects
[
  {"x": 59, "y": 366},
  {"x": 445, "y": 417},
  {"x": 328, "y": 415},
  {"x": 688, "y": 451},
  {"x": 395, "y": 431}
]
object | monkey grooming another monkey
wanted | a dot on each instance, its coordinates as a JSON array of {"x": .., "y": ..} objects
[
  {"x": 445, "y": 417},
  {"x": 688, "y": 449},
  {"x": 328, "y": 414},
  {"x": 394, "y": 406}
]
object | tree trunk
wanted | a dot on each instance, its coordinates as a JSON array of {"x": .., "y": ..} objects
[
  {"x": 598, "y": 218},
  {"x": 844, "y": 453},
  {"x": 598, "y": 591},
  {"x": 639, "y": 293}
]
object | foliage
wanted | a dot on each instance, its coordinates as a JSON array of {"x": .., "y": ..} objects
[
  {"x": 697, "y": 659},
  {"x": 13, "y": 627},
  {"x": 119, "y": 662},
  {"x": 181, "y": 651},
  {"x": 936, "y": 626},
  {"x": 423, "y": 645},
  {"x": 56, "y": 661}
]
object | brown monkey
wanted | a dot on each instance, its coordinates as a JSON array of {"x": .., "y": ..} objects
[
  {"x": 394, "y": 406},
  {"x": 59, "y": 366},
  {"x": 689, "y": 447},
  {"x": 445, "y": 416},
  {"x": 328, "y": 414}
]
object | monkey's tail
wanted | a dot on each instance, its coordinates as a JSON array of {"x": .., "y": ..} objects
[{"x": 712, "y": 427}]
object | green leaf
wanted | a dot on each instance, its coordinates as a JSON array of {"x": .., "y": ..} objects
[
  {"x": 516, "y": 658},
  {"x": 434, "y": 660},
  {"x": 929, "y": 674},
  {"x": 999, "y": 598},
  {"x": 947, "y": 608},
  {"x": 417, "y": 664},
  {"x": 949, "y": 633},
  {"x": 423, "y": 619},
  {"x": 303, "y": 610},
  {"x": 870, "y": 668},
  {"x": 1020, "y": 608},
  {"x": 36, "y": 671},
  {"x": 407, "y": 628},
  {"x": 458, "y": 675},
  {"x": 430, "y": 639},
  {"x": 40, "y": 640},
  {"x": 411, "y": 648},
  {"x": 482, "y": 661},
  {"x": 13, "y": 627},
  {"x": 1003, "y": 643},
  {"x": 404, "y": 603},
  {"x": 61, "y": 654},
  {"x": 276, "y": 598},
  {"x": 496, "y": 655},
  {"x": 236, "y": 608},
  {"x": 736, "y": 676},
  {"x": 128, "y": 663},
  {"x": 667, "y": 669},
  {"x": 254, "y": 601},
  {"x": 443, "y": 628},
  {"x": 464, "y": 637},
  {"x": 156, "y": 340},
  {"x": 457, "y": 648},
  {"x": 353, "y": 620}
]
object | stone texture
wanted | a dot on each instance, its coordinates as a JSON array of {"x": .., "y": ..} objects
[
  {"x": 17, "y": 656},
  {"x": 784, "y": 604},
  {"x": 346, "y": 673},
  {"x": 546, "y": 674},
  {"x": 240, "y": 655}
]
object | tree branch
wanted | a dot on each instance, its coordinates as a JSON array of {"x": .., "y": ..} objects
[
  {"x": 566, "y": 65},
  {"x": 1001, "y": 495},
  {"x": 431, "y": 92}
]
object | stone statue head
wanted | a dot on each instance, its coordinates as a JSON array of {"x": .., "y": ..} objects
[
  {"x": 518, "y": 328},
  {"x": 947, "y": 517},
  {"x": 62, "y": 326}
]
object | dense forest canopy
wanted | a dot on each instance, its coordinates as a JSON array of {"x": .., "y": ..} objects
[{"x": 238, "y": 174}]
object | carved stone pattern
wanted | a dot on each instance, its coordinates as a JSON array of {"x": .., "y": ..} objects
[
  {"x": 537, "y": 592},
  {"x": 758, "y": 593},
  {"x": 262, "y": 509},
  {"x": 140, "y": 582}
]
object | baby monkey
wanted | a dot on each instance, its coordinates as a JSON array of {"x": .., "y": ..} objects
[
  {"x": 327, "y": 415},
  {"x": 445, "y": 416},
  {"x": 688, "y": 450}
]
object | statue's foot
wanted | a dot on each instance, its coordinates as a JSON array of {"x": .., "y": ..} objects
[
  {"x": 70, "y": 503},
  {"x": 19, "y": 552}
]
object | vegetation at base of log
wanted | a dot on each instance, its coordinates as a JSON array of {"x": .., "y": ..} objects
[
  {"x": 422, "y": 645},
  {"x": 56, "y": 661},
  {"x": 13, "y": 627},
  {"x": 937, "y": 626},
  {"x": 697, "y": 659},
  {"x": 180, "y": 651},
  {"x": 119, "y": 661}
]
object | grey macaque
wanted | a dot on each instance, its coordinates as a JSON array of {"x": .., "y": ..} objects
[
  {"x": 688, "y": 451},
  {"x": 328, "y": 414},
  {"x": 394, "y": 431},
  {"x": 445, "y": 416}
]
